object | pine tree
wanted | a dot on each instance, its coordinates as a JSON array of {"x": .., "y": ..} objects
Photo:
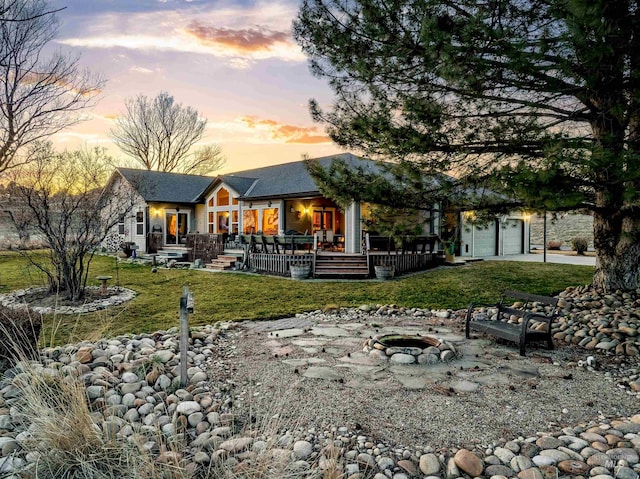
[{"x": 536, "y": 99}]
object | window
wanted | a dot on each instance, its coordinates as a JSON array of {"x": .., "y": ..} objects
[
  {"x": 222, "y": 197},
  {"x": 211, "y": 220},
  {"x": 121, "y": 225},
  {"x": 250, "y": 221},
  {"x": 270, "y": 221},
  {"x": 140, "y": 223},
  {"x": 211, "y": 202},
  {"x": 234, "y": 222}
]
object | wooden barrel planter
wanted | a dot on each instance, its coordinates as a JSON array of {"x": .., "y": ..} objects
[
  {"x": 300, "y": 271},
  {"x": 384, "y": 271}
]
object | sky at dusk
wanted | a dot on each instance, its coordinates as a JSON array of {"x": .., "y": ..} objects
[{"x": 234, "y": 61}]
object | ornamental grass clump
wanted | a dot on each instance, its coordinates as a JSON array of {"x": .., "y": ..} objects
[
  {"x": 579, "y": 244},
  {"x": 66, "y": 440},
  {"x": 554, "y": 245},
  {"x": 19, "y": 332}
]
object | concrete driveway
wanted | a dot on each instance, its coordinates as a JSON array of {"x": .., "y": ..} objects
[{"x": 551, "y": 258}]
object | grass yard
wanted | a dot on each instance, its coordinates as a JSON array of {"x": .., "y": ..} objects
[{"x": 237, "y": 296}]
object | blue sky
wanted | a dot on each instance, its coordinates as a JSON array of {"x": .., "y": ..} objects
[{"x": 234, "y": 61}]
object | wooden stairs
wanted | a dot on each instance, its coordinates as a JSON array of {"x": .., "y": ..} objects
[
  {"x": 341, "y": 266},
  {"x": 223, "y": 262}
]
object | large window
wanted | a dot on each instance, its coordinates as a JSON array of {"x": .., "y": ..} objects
[
  {"x": 270, "y": 221},
  {"x": 250, "y": 221},
  {"x": 223, "y": 212},
  {"x": 222, "y": 197},
  {"x": 223, "y": 222}
]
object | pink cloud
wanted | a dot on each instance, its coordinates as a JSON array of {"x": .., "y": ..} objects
[
  {"x": 242, "y": 40},
  {"x": 287, "y": 133}
]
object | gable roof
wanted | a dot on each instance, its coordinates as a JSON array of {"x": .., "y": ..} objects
[
  {"x": 158, "y": 186},
  {"x": 285, "y": 180}
]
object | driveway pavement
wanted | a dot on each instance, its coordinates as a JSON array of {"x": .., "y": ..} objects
[{"x": 551, "y": 258}]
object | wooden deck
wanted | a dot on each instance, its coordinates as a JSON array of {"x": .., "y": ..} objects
[{"x": 325, "y": 264}]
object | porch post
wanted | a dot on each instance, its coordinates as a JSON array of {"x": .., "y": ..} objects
[{"x": 353, "y": 229}]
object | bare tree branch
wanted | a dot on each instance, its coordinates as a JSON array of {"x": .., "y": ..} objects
[
  {"x": 38, "y": 97},
  {"x": 159, "y": 134},
  {"x": 58, "y": 196}
]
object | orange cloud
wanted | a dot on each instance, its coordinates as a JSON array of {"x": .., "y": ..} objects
[
  {"x": 286, "y": 133},
  {"x": 241, "y": 40}
]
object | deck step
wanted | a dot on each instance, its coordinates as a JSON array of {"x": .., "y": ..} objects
[
  {"x": 219, "y": 266},
  {"x": 229, "y": 257},
  {"x": 223, "y": 262},
  {"x": 341, "y": 266}
]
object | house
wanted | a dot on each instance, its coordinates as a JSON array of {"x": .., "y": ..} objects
[{"x": 272, "y": 200}]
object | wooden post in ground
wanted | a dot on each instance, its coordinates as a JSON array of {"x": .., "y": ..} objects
[{"x": 186, "y": 307}]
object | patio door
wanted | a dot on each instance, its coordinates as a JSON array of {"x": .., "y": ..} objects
[
  {"x": 176, "y": 228},
  {"x": 323, "y": 220}
]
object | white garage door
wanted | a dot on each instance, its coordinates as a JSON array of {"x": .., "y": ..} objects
[
  {"x": 484, "y": 240},
  {"x": 512, "y": 237}
]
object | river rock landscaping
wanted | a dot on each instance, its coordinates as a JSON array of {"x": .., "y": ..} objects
[{"x": 301, "y": 394}]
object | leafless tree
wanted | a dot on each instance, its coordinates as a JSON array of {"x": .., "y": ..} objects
[
  {"x": 160, "y": 134},
  {"x": 39, "y": 96},
  {"x": 5, "y": 7},
  {"x": 62, "y": 195}
]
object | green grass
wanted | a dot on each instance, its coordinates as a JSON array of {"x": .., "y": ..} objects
[{"x": 233, "y": 296}]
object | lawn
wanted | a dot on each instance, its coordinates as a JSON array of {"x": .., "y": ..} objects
[{"x": 237, "y": 296}]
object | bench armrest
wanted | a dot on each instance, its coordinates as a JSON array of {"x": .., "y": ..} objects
[{"x": 472, "y": 306}]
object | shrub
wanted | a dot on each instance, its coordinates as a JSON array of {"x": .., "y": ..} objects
[
  {"x": 19, "y": 333},
  {"x": 579, "y": 244},
  {"x": 554, "y": 245}
]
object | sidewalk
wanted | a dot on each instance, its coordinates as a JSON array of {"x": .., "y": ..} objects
[{"x": 551, "y": 258}]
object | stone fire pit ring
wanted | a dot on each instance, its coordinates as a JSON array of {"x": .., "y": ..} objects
[{"x": 409, "y": 349}]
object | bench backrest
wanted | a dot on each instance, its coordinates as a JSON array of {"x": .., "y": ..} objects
[{"x": 527, "y": 298}]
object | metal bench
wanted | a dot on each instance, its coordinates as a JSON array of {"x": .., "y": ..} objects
[{"x": 532, "y": 307}]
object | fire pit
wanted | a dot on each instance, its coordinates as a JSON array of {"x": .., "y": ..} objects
[{"x": 409, "y": 349}]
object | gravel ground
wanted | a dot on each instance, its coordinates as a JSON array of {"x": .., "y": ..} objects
[{"x": 562, "y": 395}]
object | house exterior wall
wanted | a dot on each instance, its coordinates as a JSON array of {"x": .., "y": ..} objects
[
  {"x": 133, "y": 225},
  {"x": 199, "y": 224}
]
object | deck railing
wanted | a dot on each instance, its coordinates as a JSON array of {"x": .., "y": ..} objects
[
  {"x": 278, "y": 264},
  {"x": 403, "y": 262},
  {"x": 204, "y": 246},
  {"x": 264, "y": 258}
]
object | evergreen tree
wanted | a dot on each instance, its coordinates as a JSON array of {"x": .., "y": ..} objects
[{"x": 535, "y": 99}]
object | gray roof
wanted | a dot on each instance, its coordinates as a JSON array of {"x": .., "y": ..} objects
[
  {"x": 158, "y": 186},
  {"x": 285, "y": 180}
]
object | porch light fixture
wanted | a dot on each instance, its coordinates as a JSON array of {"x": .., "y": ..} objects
[
  {"x": 250, "y": 204},
  {"x": 269, "y": 204}
]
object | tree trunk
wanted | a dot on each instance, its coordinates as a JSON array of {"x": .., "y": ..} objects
[{"x": 618, "y": 252}]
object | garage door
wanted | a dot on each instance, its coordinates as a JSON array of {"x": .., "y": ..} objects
[
  {"x": 484, "y": 240},
  {"x": 512, "y": 237}
]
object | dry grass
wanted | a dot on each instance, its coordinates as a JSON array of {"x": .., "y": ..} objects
[
  {"x": 64, "y": 437},
  {"x": 69, "y": 441}
]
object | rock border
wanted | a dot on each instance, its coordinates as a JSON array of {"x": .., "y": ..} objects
[
  {"x": 15, "y": 300},
  {"x": 435, "y": 350}
]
